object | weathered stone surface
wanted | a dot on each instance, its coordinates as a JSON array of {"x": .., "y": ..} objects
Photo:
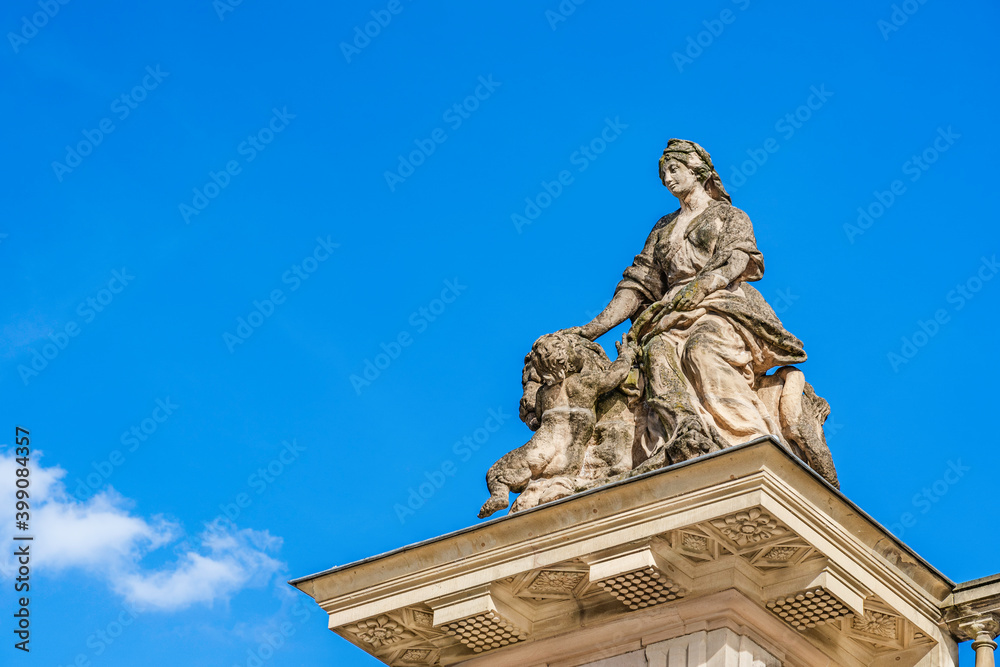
[{"x": 705, "y": 365}]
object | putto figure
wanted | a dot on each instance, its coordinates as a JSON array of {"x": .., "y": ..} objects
[
  {"x": 573, "y": 375},
  {"x": 705, "y": 341}
]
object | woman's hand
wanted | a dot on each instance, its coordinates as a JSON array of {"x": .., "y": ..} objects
[
  {"x": 695, "y": 292},
  {"x": 623, "y": 304},
  {"x": 572, "y": 331}
]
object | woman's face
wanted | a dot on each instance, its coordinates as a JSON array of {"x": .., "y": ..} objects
[{"x": 678, "y": 177}]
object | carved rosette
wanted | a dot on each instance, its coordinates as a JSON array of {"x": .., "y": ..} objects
[
  {"x": 694, "y": 543},
  {"x": 749, "y": 528},
  {"x": 780, "y": 554},
  {"x": 882, "y": 629},
  {"x": 404, "y": 637},
  {"x": 563, "y": 582},
  {"x": 555, "y": 581},
  {"x": 380, "y": 631},
  {"x": 876, "y": 624},
  {"x": 423, "y": 619}
]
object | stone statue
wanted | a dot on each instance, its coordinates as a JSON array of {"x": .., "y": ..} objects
[{"x": 692, "y": 375}]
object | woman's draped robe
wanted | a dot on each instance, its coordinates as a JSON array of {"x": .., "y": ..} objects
[{"x": 704, "y": 364}]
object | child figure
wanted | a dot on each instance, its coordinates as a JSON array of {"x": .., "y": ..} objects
[{"x": 572, "y": 377}]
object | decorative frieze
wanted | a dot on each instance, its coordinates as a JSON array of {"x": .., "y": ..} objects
[
  {"x": 640, "y": 576},
  {"x": 754, "y": 535},
  {"x": 745, "y": 548}
]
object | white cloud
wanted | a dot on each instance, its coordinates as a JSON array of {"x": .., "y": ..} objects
[
  {"x": 103, "y": 537},
  {"x": 235, "y": 559},
  {"x": 94, "y": 535}
]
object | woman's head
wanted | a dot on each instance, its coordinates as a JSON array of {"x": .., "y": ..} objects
[{"x": 685, "y": 161}]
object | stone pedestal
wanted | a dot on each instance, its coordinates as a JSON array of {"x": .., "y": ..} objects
[{"x": 741, "y": 558}]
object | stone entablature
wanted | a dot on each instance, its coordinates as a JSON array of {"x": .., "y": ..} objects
[{"x": 747, "y": 541}]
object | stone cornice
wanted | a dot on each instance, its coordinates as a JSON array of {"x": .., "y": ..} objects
[{"x": 750, "y": 521}]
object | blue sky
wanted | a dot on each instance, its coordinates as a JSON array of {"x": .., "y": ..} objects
[{"x": 217, "y": 214}]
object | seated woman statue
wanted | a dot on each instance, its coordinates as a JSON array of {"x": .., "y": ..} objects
[{"x": 706, "y": 337}]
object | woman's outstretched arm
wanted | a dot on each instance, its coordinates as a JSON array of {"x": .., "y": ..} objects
[{"x": 624, "y": 303}]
